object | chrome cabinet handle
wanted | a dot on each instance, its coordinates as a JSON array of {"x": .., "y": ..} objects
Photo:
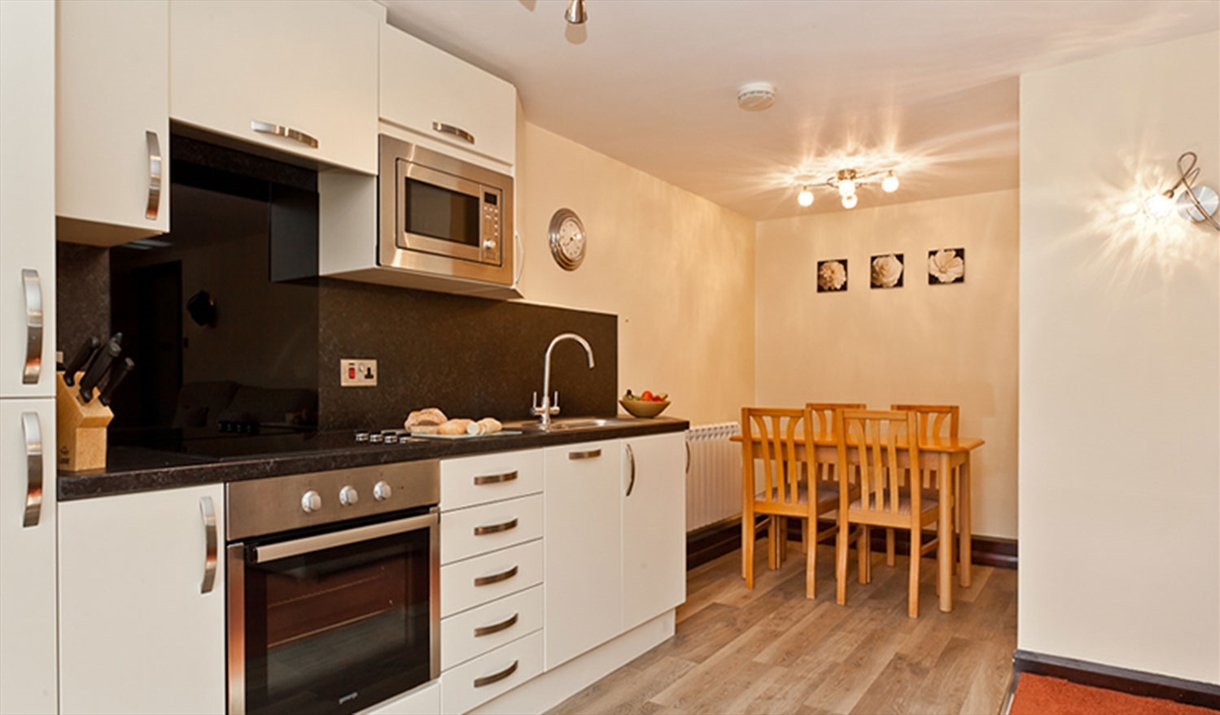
[
  {"x": 687, "y": 443},
  {"x": 154, "y": 175},
  {"x": 209, "y": 535},
  {"x": 496, "y": 677},
  {"x": 631, "y": 453},
  {"x": 452, "y": 130},
  {"x": 33, "y": 468},
  {"x": 33, "y": 326},
  {"x": 496, "y": 578},
  {"x": 495, "y": 528},
  {"x": 591, "y": 454},
  {"x": 494, "y": 478},
  {"x": 278, "y": 130},
  {"x": 519, "y": 248},
  {"x": 496, "y": 627}
]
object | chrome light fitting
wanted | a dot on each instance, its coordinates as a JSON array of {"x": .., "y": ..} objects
[
  {"x": 1195, "y": 203},
  {"x": 576, "y": 13},
  {"x": 846, "y": 182}
]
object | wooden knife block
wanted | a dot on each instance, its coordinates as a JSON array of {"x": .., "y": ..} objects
[{"x": 80, "y": 429}]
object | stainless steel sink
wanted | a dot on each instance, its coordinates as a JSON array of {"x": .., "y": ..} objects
[{"x": 566, "y": 423}]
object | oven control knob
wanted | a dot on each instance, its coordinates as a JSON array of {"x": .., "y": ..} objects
[
  {"x": 311, "y": 501},
  {"x": 348, "y": 496},
  {"x": 489, "y": 244},
  {"x": 382, "y": 491}
]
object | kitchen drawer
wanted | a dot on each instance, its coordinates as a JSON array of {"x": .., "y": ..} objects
[
  {"x": 424, "y": 700},
  {"x": 458, "y": 589},
  {"x": 490, "y": 527},
  {"x": 466, "y": 686},
  {"x": 490, "y": 477},
  {"x": 465, "y": 635}
]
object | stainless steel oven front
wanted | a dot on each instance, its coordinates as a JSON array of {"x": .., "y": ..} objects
[{"x": 333, "y": 588}]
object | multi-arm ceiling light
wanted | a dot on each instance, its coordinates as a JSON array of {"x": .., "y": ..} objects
[{"x": 846, "y": 182}]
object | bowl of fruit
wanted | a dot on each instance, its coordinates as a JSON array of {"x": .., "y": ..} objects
[{"x": 645, "y": 405}]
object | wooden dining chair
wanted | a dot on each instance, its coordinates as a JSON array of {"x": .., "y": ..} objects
[
  {"x": 774, "y": 484},
  {"x": 823, "y": 420},
  {"x": 882, "y": 444},
  {"x": 940, "y": 422}
]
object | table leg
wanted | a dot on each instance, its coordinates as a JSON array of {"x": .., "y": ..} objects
[
  {"x": 963, "y": 517},
  {"x": 944, "y": 535}
]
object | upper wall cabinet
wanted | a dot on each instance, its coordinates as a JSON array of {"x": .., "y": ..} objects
[
  {"x": 112, "y": 121},
  {"x": 297, "y": 77},
  {"x": 436, "y": 96}
]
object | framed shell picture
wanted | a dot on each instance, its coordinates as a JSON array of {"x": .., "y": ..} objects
[
  {"x": 886, "y": 271},
  {"x": 832, "y": 276},
  {"x": 947, "y": 266}
]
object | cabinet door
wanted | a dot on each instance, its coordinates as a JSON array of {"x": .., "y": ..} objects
[
  {"x": 27, "y": 555},
  {"x": 141, "y": 630},
  {"x": 654, "y": 526},
  {"x": 309, "y": 68},
  {"x": 582, "y": 546},
  {"x": 27, "y": 199},
  {"x": 112, "y": 121},
  {"x": 443, "y": 98}
]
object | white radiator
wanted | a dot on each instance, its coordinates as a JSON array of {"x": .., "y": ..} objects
[{"x": 713, "y": 480}]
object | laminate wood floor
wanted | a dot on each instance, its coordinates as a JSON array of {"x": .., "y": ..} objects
[{"x": 770, "y": 650}]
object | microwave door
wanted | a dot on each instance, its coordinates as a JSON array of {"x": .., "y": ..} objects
[{"x": 439, "y": 213}]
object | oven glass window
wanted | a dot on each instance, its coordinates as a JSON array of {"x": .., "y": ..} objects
[
  {"x": 440, "y": 213},
  {"x": 338, "y": 630}
]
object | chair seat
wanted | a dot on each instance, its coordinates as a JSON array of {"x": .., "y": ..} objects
[
  {"x": 904, "y": 505},
  {"x": 826, "y": 491}
]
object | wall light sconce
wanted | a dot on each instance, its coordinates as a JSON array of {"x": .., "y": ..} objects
[
  {"x": 1195, "y": 203},
  {"x": 846, "y": 182}
]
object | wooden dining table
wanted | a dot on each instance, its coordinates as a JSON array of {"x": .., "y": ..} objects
[{"x": 944, "y": 455}]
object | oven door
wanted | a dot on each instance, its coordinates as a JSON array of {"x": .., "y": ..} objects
[
  {"x": 447, "y": 215},
  {"x": 334, "y": 622}
]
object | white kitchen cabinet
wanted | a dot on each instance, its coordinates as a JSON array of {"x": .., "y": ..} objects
[
  {"x": 112, "y": 121},
  {"x": 27, "y": 552},
  {"x": 142, "y": 629},
  {"x": 654, "y": 526},
  {"x": 582, "y": 545},
  {"x": 441, "y": 98},
  {"x": 283, "y": 75},
  {"x": 27, "y": 200}
]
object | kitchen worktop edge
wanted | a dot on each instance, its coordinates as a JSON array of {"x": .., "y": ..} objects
[{"x": 128, "y": 481}]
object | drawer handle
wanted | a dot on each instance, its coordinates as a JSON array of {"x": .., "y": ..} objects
[
  {"x": 496, "y": 578},
  {"x": 495, "y": 478},
  {"x": 277, "y": 130},
  {"x": 33, "y": 326},
  {"x": 496, "y": 677},
  {"x": 32, "y": 426},
  {"x": 496, "y": 627},
  {"x": 496, "y": 528},
  {"x": 591, "y": 454},
  {"x": 154, "y": 175},
  {"x": 454, "y": 131}
]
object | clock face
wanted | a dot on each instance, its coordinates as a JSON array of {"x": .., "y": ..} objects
[{"x": 568, "y": 240}]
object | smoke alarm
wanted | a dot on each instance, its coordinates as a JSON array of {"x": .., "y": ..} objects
[{"x": 756, "y": 96}]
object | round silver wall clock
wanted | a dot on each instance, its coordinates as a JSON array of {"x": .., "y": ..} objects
[{"x": 567, "y": 239}]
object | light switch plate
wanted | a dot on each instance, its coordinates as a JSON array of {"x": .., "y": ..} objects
[{"x": 357, "y": 372}]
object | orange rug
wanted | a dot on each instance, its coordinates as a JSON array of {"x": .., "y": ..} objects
[{"x": 1042, "y": 695}]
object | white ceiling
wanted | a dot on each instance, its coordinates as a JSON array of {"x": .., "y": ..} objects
[{"x": 929, "y": 87}]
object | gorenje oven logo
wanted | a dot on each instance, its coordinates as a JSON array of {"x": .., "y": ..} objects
[{"x": 349, "y": 697}]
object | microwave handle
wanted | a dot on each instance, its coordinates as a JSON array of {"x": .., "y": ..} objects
[{"x": 273, "y": 552}]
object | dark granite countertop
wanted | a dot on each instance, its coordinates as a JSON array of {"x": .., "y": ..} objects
[{"x": 134, "y": 469}]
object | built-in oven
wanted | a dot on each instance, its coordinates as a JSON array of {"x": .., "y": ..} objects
[
  {"x": 442, "y": 216},
  {"x": 333, "y": 588}
]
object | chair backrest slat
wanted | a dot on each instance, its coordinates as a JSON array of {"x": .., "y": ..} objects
[
  {"x": 932, "y": 419},
  {"x": 878, "y": 438}
]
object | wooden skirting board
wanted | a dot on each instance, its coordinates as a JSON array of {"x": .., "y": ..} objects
[
  {"x": 710, "y": 542},
  {"x": 1135, "y": 682}
]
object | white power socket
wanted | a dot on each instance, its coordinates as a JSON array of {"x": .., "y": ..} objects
[{"x": 357, "y": 372}]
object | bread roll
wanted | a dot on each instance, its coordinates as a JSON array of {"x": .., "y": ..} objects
[
  {"x": 455, "y": 427},
  {"x": 426, "y": 416},
  {"x": 423, "y": 429}
]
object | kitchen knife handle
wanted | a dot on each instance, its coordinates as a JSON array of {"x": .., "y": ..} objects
[
  {"x": 118, "y": 373},
  {"x": 33, "y": 468},
  {"x": 33, "y": 326},
  {"x": 99, "y": 367},
  {"x": 80, "y": 360}
]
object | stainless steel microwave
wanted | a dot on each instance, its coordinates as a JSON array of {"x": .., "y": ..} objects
[{"x": 442, "y": 216}]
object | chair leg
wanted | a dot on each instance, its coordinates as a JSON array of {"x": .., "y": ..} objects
[
  {"x": 889, "y": 547},
  {"x": 747, "y": 548},
  {"x": 811, "y": 559},
  {"x": 772, "y": 552},
  {"x": 913, "y": 588},
  {"x": 865, "y": 554},
  {"x": 805, "y": 534},
  {"x": 841, "y": 562}
]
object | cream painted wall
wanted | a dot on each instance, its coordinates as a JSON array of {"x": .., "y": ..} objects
[
  {"x": 954, "y": 344},
  {"x": 1120, "y": 345},
  {"x": 677, "y": 269}
]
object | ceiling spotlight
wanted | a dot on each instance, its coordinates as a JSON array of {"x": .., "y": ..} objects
[
  {"x": 890, "y": 183},
  {"x": 849, "y": 201},
  {"x": 847, "y": 182},
  {"x": 805, "y": 198},
  {"x": 576, "y": 14}
]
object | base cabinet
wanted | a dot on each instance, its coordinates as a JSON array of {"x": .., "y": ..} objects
[
  {"x": 654, "y": 526},
  {"x": 142, "y": 626}
]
